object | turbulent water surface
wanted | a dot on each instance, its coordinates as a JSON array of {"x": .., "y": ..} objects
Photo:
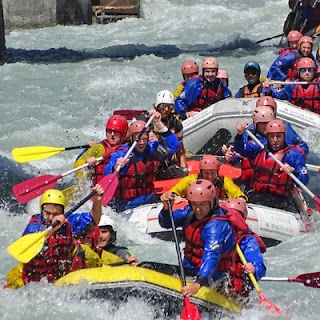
[{"x": 59, "y": 86}]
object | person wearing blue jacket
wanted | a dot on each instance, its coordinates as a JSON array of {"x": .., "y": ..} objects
[
  {"x": 137, "y": 173},
  {"x": 270, "y": 184},
  {"x": 284, "y": 67},
  {"x": 209, "y": 234},
  {"x": 305, "y": 96},
  {"x": 201, "y": 92}
]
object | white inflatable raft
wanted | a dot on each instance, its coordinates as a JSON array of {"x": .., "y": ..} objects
[
  {"x": 227, "y": 113},
  {"x": 273, "y": 225}
]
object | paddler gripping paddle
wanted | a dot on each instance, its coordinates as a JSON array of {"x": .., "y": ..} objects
[
  {"x": 113, "y": 178},
  {"x": 190, "y": 311},
  {"x": 291, "y": 175},
  {"x": 28, "y": 246},
  {"x": 262, "y": 298},
  {"x": 26, "y": 154},
  {"x": 34, "y": 187}
]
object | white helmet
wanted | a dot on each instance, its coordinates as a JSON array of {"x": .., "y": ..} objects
[
  {"x": 164, "y": 96},
  {"x": 107, "y": 221}
]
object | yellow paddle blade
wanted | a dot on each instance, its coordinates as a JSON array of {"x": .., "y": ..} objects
[
  {"x": 28, "y": 246},
  {"x": 27, "y": 154}
]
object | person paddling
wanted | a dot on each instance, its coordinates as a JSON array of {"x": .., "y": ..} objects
[
  {"x": 270, "y": 184},
  {"x": 57, "y": 256},
  {"x": 200, "y": 92},
  {"x": 305, "y": 96},
  {"x": 210, "y": 234},
  {"x": 138, "y": 172},
  {"x": 116, "y": 131},
  {"x": 293, "y": 38},
  {"x": 223, "y": 75}
]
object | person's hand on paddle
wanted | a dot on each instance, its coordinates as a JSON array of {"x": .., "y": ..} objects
[
  {"x": 267, "y": 84},
  {"x": 157, "y": 119},
  {"x": 100, "y": 192},
  {"x": 91, "y": 143},
  {"x": 92, "y": 161},
  {"x": 286, "y": 168},
  {"x": 121, "y": 162},
  {"x": 241, "y": 128},
  {"x": 191, "y": 289},
  {"x": 132, "y": 260},
  {"x": 249, "y": 268},
  {"x": 228, "y": 153},
  {"x": 165, "y": 197}
]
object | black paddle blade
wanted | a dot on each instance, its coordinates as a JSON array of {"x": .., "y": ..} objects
[
  {"x": 308, "y": 279},
  {"x": 213, "y": 146}
]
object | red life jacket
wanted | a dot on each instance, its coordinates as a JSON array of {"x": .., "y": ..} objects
[
  {"x": 238, "y": 279},
  {"x": 308, "y": 98},
  {"x": 284, "y": 51},
  {"x": 267, "y": 176},
  {"x": 54, "y": 261},
  {"x": 208, "y": 97},
  {"x": 109, "y": 150},
  {"x": 256, "y": 91},
  {"x": 194, "y": 246},
  {"x": 246, "y": 167},
  {"x": 138, "y": 181}
]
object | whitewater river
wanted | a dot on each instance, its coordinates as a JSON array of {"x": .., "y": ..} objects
[{"x": 61, "y": 84}]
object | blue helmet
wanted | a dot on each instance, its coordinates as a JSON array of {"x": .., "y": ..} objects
[{"x": 252, "y": 64}]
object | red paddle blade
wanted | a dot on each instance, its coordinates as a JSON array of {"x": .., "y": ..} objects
[
  {"x": 308, "y": 279},
  {"x": 269, "y": 305},
  {"x": 189, "y": 311},
  {"x": 109, "y": 184},
  {"x": 32, "y": 188},
  {"x": 317, "y": 201}
]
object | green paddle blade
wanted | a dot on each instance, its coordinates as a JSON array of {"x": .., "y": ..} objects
[
  {"x": 28, "y": 246},
  {"x": 27, "y": 154}
]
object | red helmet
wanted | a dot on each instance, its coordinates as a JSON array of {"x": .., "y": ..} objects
[
  {"x": 137, "y": 126},
  {"x": 222, "y": 74},
  {"x": 267, "y": 101},
  {"x": 305, "y": 63},
  {"x": 262, "y": 114},
  {"x": 294, "y": 35},
  {"x": 209, "y": 162},
  {"x": 201, "y": 190},
  {"x": 189, "y": 66},
  {"x": 210, "y": 62},
  {"x": 238, "y": 205},
  {"x": 275, "y": 126},
  {"x": 305, "y": 39},
  {"x": 118, "y": 123}
]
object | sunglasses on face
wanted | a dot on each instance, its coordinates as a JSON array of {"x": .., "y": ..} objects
[
  {"x": 306, "y": 70},
  {"x": 162, "y": 106}
]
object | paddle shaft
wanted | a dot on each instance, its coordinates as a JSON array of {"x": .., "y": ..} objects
[
  {"x": 176, "y": 241},
  {"x": 270, "y": 38},
  {"x": 291, "y": 175},
  {"x": 127, "y": 155},
  {"x": 295, "y": 82}
]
